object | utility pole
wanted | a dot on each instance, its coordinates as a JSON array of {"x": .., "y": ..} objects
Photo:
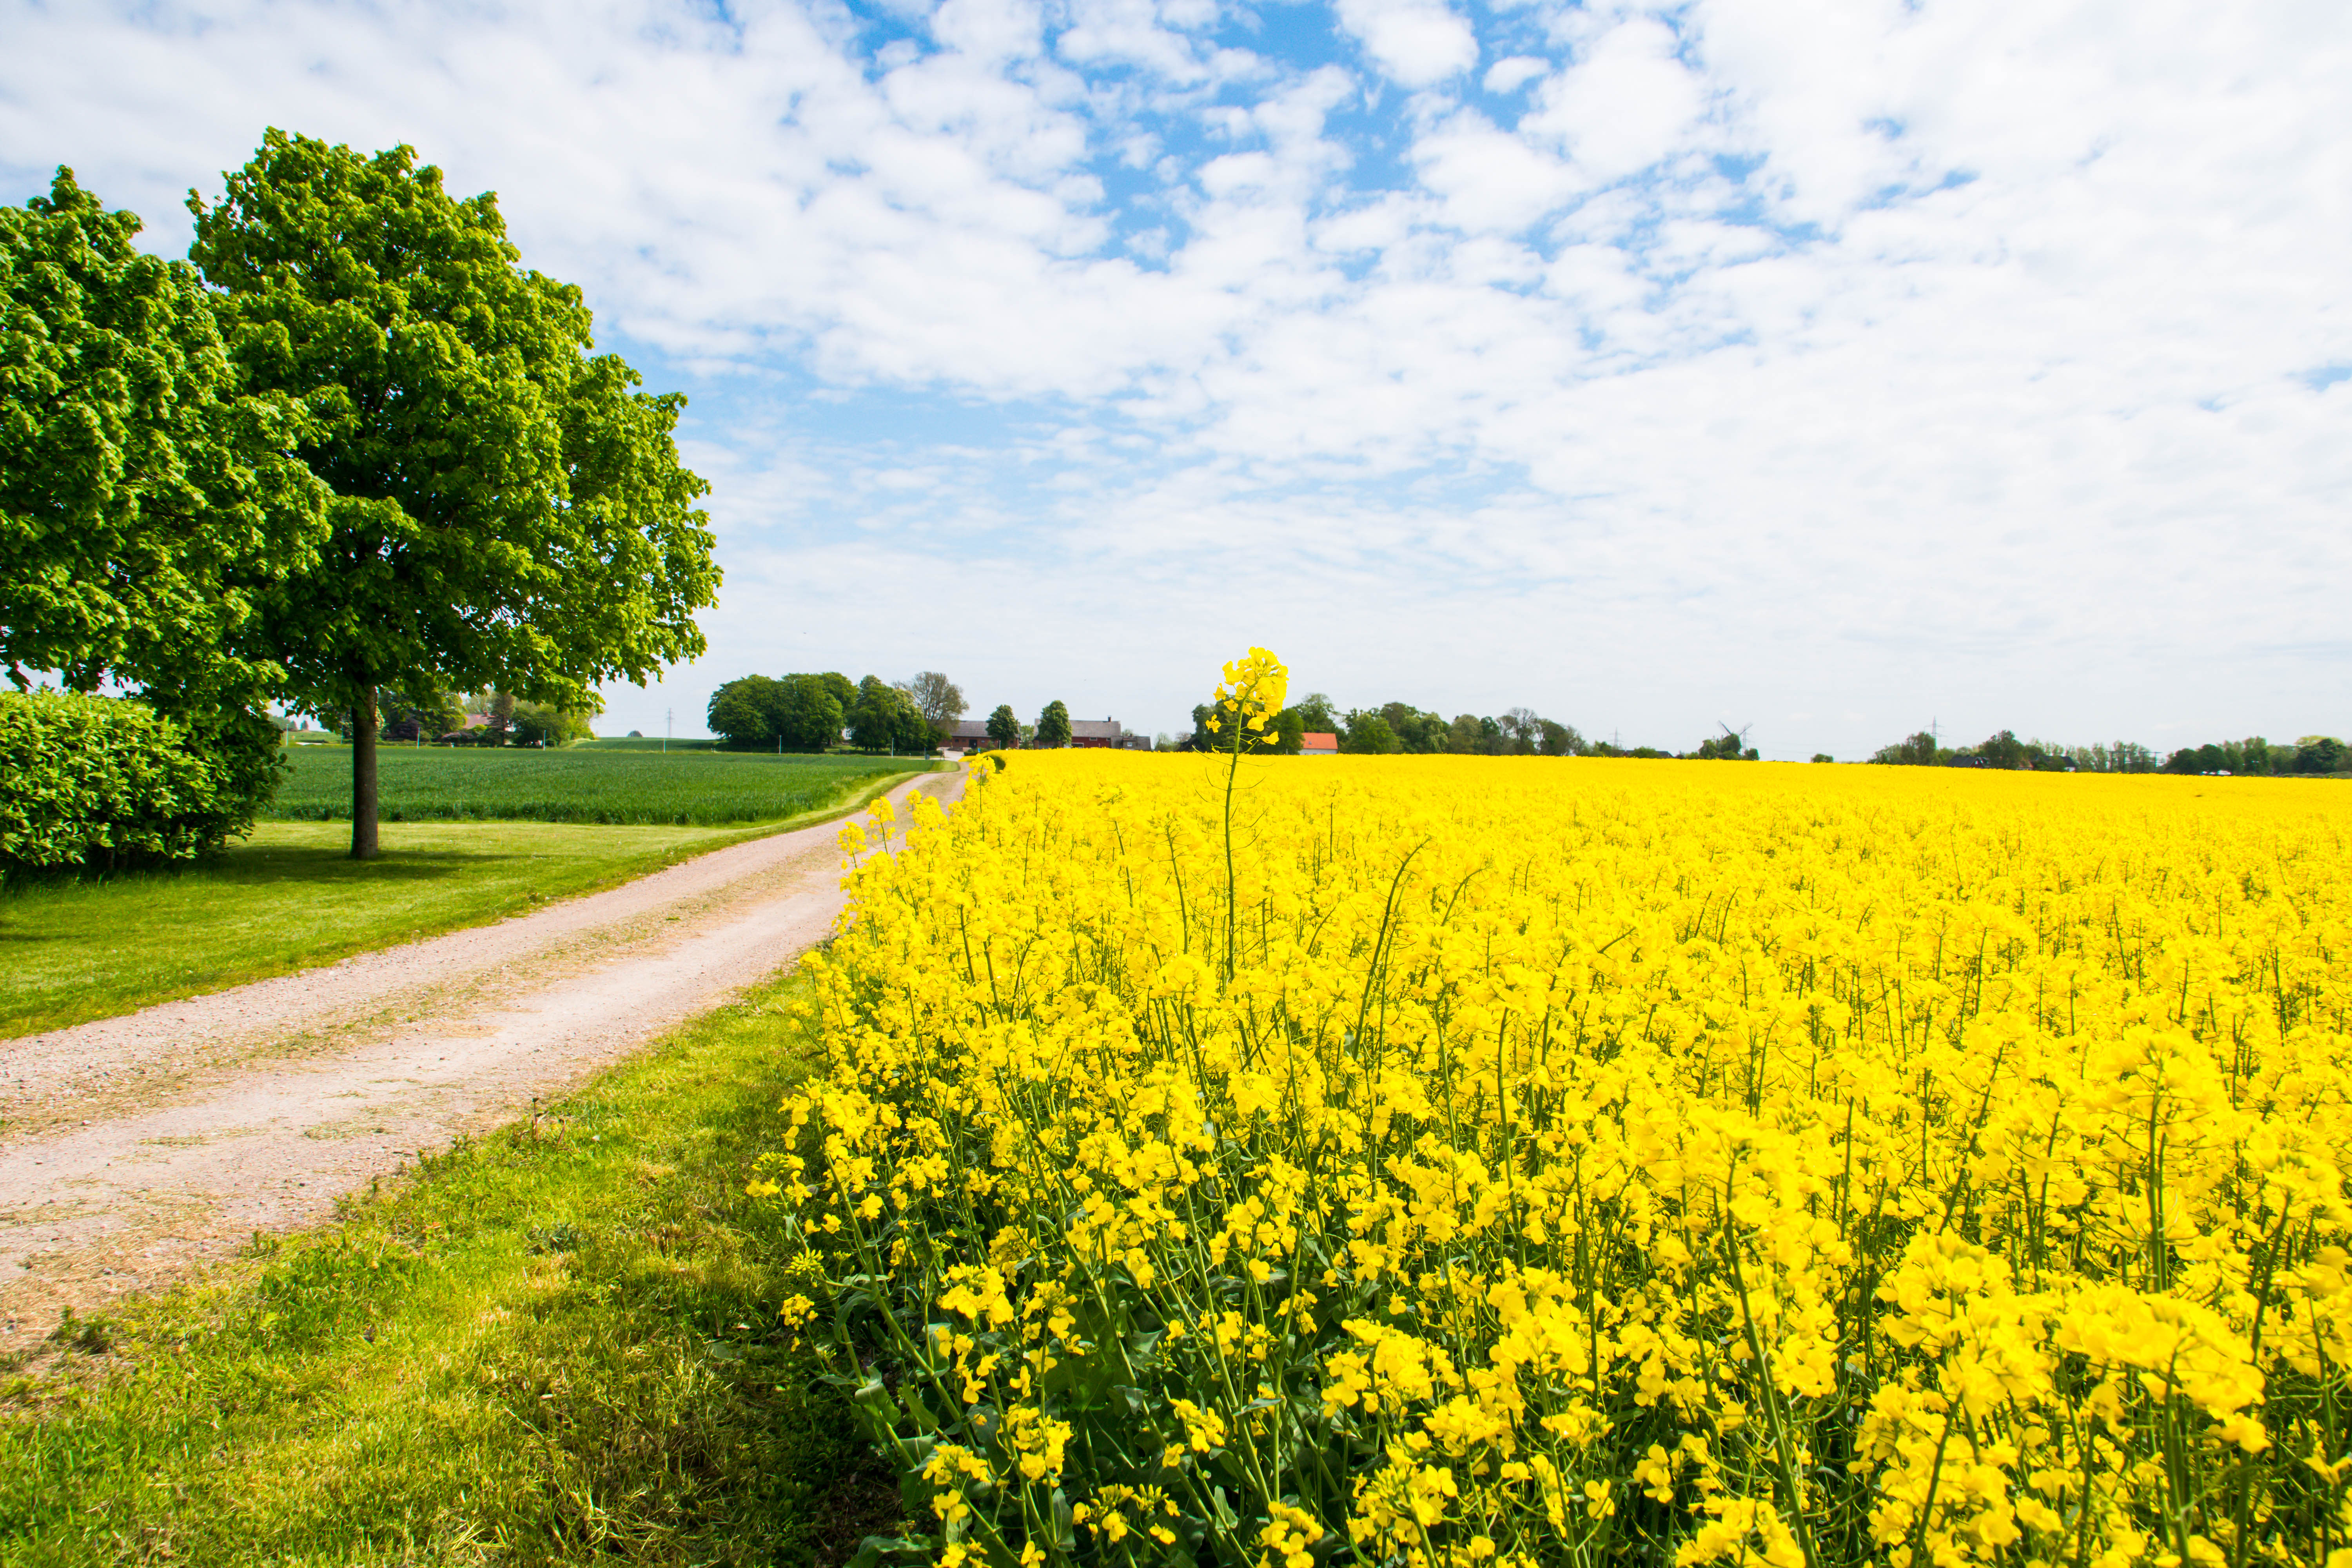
[{"x": 668, "y": 714}]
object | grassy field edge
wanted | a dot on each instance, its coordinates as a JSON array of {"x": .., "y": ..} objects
[
  {"x": 18, "y": 1025},
  {"x": 554, "y": 1343}
]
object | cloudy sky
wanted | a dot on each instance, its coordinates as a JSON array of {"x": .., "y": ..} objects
[{"x": 1828, "y": 366}]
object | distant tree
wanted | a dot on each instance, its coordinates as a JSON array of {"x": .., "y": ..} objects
[
  {"x": 1368, "y": 735},
  {"x": 939, "y": 700},
  {"x": 1561, "y": 740},
  {"x": 538, "y": 724},
  {"x": 886, "y": 719},
  {"x": 743, "y": 713},
  {"x": 505, "y": 506},
  {"x": 2319, "y": 755},
  {"x": 1053, "y": 725},
  {"x": 1004, "y": 726},
  {"x": 1918, "y": 751},
  {"x": 2003, "y": 750},
  {"x": 502, "y": 707},
  {"x": 1316, "y": 714},
  {"x": 1730, "y": 746},
  {"x": 1525, "y": 727},
  {"x": 425, "y": 717},
  {"x": 1823, "y": 757},
  {"x": 636, "y": 735},
  {"x": 803, "y": 713}
]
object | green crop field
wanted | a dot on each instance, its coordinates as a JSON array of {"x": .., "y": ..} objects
[{"x": 578, "y": 785}]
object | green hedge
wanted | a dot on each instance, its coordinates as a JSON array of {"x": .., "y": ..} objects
[{"x": 107, "y": 782}]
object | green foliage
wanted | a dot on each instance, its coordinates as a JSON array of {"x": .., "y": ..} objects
[
  {"x": 886, "y": 719},
  {"x": 1053, "y": 725},
  {"x": 2312, "y": 755},
  {"x": 144, "y": 499},
  {"x": 1368, "y": 735},
  {"x": 808, "y": 715},
  {"x": 505, "y": 507},
  {"x": 1004, "y": 726},
  {"x": 743, "y": 713},
  {"x": 799, "y": 713},
  {"x": 593, "y": 784},
  {"x": 1917, "y": 750},
  {"x": 427, "y": 717},
  {"x": 559, "y": 1344},
  {"x": 1316, "y": 714},
  {"x": 106, "y": 783},
  {"x": 2004, "y": 750},
  {"x": 1727, "y": 747},
  {"x": 1289, "y": 731}
]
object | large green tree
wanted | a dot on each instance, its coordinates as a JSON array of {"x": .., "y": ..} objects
[
  {"x": 1053, "y": 725},
  {"x": 505, "y": 507},
  {"x": 1003, "y": 727},
  {"x": 145, "y": 501}
]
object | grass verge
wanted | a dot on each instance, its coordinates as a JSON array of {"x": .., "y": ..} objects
[
  {"x": 287, "y": 898},
  {"x": 554, "y": 1345}
]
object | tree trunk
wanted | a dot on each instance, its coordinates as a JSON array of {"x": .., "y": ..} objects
[{"x": 363, "y": 839}]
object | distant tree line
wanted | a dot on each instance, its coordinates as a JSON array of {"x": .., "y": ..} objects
[
  {"x": 1400, "y": 728},
  {"x": 2311, "y": 755},
  {"x": 819, "y": 712}
]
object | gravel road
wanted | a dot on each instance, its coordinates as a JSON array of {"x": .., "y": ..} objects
[{"x": 133, "y": 1149}]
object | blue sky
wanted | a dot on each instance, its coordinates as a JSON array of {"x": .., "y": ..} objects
[{"x": 1831, "y": 368}]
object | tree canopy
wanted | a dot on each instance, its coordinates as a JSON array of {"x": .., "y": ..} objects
[
  {"x": 145, "y": 499},
  {"x": 795, "y": 713},
  {"x": 505, "y": 506},
  {"x": 1053, "y": 725},
  {"x": 939, "y": 700}
]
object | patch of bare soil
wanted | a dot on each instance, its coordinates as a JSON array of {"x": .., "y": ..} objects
[{"x": 133, "y": 1149}]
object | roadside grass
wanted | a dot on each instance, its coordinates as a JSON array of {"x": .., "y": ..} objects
[
  {"x": 289, "y": 899},
  {"x": 631, "y": 784},
  {"x": 554, "y": 1345}
]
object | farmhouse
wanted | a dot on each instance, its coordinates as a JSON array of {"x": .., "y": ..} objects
[{"x": 1318, "y": 743}]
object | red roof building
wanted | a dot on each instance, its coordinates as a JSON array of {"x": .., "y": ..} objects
[{"x": 1318, "y": 743}]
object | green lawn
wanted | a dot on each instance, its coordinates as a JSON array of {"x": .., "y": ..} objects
[
  {"x": 583, "y": 784},
  {"x": 557, "y": 1344},
  {"x": 287, "y": 898}
]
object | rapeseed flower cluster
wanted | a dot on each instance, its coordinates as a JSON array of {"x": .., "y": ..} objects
[{"x": 1516, "y": 1161}]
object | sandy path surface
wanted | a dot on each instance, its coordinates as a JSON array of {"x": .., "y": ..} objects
[{"x": 134, "y": 1148}]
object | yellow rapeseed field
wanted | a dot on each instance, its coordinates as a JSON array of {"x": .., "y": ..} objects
[{"x": 1468, "y": 1161}]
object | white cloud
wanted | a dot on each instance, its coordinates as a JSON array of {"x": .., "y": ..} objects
[
  {"x": 1416, "y": 42},
  {"x": 1512, "y": 74},
  {"x": 1877, "y": 362},
  {"x": 1626, "y": 104}
]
